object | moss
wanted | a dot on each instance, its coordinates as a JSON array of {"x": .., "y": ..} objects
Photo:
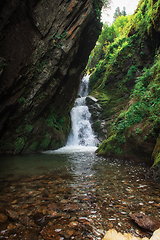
[
  {"x": 108, "y": 146},
  {"x": 127, "y": 84},
  {"x": 33, "y": 146},
  {"x": 29, "y": 128},
  {"x": 19, "y": 145},
  {"x": 156, "y": 153},
  {"x": 157, "y": 160},
  {"x": 58, "y": 140},
  {"x": 97, "y": 4},
  {"x": 97, "y": 126},
  {"x": 55, "y": 144},
  {"x": 45, "y": 142},
  {"x": 146, "y": 17}
]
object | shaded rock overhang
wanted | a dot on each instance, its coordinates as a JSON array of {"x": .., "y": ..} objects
[{"x": 44, "y": 47}]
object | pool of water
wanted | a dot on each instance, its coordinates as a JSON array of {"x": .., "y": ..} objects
[{"x": 72, "y": 194}]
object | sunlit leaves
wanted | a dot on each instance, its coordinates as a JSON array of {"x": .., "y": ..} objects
[{"x": 146, "y": 16}]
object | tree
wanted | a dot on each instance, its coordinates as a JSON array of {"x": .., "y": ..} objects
[
  {"x": 124, "y": 12},
  {"x": 118, "y": 13}
]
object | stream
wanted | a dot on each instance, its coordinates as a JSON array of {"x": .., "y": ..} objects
[{"x": 71, "y": 193}]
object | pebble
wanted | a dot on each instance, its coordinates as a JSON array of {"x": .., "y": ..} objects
[
  {"x": 61, "y": 206},
  {"x": 12, "y": 214},
  {"x": 3, "y": 218}
]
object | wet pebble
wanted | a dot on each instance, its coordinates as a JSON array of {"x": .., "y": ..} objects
[
  {"x": 60, "y": 206},
  {"x": 71, "y": 208},
  {"x": 12, "y": 214},
  {"x": 24, "y": 220},
  {"x": 49, "y": 234},
  {"x": 3, "y": 218}
]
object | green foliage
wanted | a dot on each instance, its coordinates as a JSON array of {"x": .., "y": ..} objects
[
  {"x": 109, "y": 147},
  {"x": 61, "y": 121},
  {"x": 138, "y": 130},
  {"x": 16, "y": 145},
  {"x": 146, "y": 16},
  {"x": 22, "y": 100},
  {"x": 109, "y": 42},
  {"x": 45, "y": 142},
  {"x": 156, "y": 153},
  {"x": 33, "y": 146},
  {"x": 144, "y": 109},
  {"x": 19, "y": 144},
  {"x": 131, "y": 71},
  {"x": 124, "y": 72},
  {"x": 56, "y": 121},
  {"x": 146, "y": 100},
  {"x": 122, "y": 24},
  {"x": 118, "y": 13},
  {"x": 57, "y": 39},
  {"x": 157, "y": 160},
  {"x": 98, "y": 4},
  {"x": 40, "y": 65},
  {"x": 29, "y": 128}
]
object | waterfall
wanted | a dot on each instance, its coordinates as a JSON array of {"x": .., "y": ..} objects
[
  {"x": 81, "y": 137},
  {"x": 81, "y": 133}
]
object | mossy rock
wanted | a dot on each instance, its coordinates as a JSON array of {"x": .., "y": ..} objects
[{"x": 156, "y": 153}]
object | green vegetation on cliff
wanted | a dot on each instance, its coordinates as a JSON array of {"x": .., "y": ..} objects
[
  {"x": 98, "y": 4},
  {"x": 125, "y": 67}
]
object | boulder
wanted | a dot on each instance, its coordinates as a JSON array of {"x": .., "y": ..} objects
[
  {"x": 94, "y": 107},
  {"x": 112, "y": 234},
  {"x": 146, "y": 222},
  {"x": 90, "y": 100}
]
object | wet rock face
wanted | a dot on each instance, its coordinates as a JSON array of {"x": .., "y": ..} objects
[
  {"x": 96, "y": 117},
  {"x": 44, "y": 46}
]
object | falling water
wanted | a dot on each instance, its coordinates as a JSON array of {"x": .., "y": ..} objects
[{"x": 81, "y": 130}]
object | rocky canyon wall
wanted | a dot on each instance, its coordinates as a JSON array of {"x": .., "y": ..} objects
[
  {"x": 44, "y": 47},
  {"x": 126, "y": 81}
]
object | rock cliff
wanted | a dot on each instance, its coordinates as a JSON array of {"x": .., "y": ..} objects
[
  {"x": 44, "y": 47},
  {"x": 126, "y": 82}
]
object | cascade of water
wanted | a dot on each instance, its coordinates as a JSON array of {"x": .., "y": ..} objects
[{"x": 81, "y": 133}]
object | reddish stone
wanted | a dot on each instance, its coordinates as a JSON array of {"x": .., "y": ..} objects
[
  {"x": 73, "y": 224},
  {"x": 54, "y": 214},
  {"x": 12, "y": 214},
  {"x": 29, "y": 235},
  {"x": 70, "y": 233},
  {"x": 24, "y": 220},
  {"x": 49, "y": 234},
  {"x": 25, "y": 206},
  {"x": 146, "y": 222},
  {"x": 71, "y": 208},
  {"x": 11, "y": 227},
  {"x": 3, "y": 218},
  {"x": 52, "y": 206}
]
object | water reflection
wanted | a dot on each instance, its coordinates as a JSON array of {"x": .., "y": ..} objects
[{"x": 72, "y": 195}]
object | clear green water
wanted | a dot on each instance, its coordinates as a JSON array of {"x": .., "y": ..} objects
[
  {"x": 92, "y": 192},
  {"x": 49, "y": 161}
]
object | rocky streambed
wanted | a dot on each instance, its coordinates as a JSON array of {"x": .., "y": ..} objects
[{"x": 73, "y": 196}]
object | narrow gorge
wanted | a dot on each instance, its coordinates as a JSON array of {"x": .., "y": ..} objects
[{"x": 79, "y": 121}]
